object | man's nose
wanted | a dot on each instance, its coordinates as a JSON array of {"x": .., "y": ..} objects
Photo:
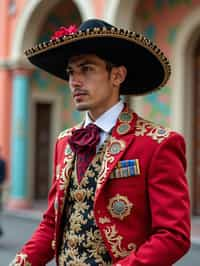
[{"x": 76, "y": 80}]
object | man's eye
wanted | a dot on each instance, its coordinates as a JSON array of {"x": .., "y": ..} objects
[{"x": 86, "y": 68}]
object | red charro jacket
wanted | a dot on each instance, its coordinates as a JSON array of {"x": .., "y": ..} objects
[{"x": 154, "y": 226}]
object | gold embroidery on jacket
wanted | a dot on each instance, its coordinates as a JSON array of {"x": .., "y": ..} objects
[
  {"x": 104, "y": 220},
  {"x": 156, "y": 132},
  {"x": 65, "y": 133},
  {"x": 20, "y": 260},
  {"x": 64, "y": 177},
  {"x": 108, "y": 159},
  {"x": 115, "y": 240},
  {"x": 57, "y": 171}
]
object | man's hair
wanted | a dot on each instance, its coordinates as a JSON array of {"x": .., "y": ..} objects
[{"x": 109, "y": 66}]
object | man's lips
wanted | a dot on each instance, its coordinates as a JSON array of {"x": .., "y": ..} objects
[{"x": 79, "y": 93}]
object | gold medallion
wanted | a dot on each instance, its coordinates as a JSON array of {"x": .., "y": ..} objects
[
  {"x": 119, "y": 207},
  {"x": 123, "y": 128},
  {"x": 115, "y": 148},
  {"x": 125, "y": 117}
]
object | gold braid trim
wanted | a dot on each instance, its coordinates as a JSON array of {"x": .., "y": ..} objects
[
  {"x": 149, "y": 129},
  {"x": 68, "y": 132},
  {"x": 115, "y": 240},
  {"x": 104, "y": 32}
]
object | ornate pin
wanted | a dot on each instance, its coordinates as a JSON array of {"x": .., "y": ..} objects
[
  {"x": 119, "y": 206},
  {"x": 115, "y": 148},
  {"x": 123, "y": 128},
  {"x": 161, "y": 131},
  {"x": 125, "y": 117}
]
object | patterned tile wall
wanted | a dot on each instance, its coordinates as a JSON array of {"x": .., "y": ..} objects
[{"x": 160, "y": 21}]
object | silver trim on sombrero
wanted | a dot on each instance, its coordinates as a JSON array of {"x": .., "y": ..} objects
[{"x": 104, "y": 32}]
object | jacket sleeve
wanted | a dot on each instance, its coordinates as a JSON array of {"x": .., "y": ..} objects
[
  {"x": 169, "y": 207},
  {"x": 39, "y": 249}
]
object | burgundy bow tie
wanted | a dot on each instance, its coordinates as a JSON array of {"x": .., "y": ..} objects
[{"x": 83, "y": 142}]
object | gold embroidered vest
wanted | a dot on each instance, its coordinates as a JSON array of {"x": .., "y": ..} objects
[{"x": 82, "y": 244}]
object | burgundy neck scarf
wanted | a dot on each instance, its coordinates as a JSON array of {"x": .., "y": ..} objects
[{"x": 84, "y": 142}]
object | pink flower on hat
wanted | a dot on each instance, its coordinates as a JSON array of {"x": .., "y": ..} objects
[{"x": 64, "y": 31}]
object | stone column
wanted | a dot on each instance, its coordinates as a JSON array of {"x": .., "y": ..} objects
[{"x": 19, "y": 140}]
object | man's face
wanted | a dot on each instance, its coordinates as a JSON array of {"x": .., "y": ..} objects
[{"x": 93, "y": 87}]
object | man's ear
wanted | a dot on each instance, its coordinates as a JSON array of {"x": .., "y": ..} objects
[{"x": 118, "y": 75}]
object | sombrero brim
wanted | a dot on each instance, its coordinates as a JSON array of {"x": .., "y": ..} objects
[{"x": 147, "y": 67}]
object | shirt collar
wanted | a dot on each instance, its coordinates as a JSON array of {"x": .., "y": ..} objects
[{"x": 108, "y": 119}]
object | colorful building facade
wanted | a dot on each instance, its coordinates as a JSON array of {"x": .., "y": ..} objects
[{"x": 35, "y": 107}]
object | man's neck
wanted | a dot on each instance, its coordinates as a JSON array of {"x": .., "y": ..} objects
[{"x": 108, "y": 119}]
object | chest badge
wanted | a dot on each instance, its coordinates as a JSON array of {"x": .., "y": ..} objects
[
  {"x": 116, "y": 147},
  {"x": 119, "y": 206}
]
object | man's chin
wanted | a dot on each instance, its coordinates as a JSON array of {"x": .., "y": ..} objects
[{"x": 82, "y": 107}]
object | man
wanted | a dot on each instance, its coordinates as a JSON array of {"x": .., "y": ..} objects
[
  {"x": 119, "y": 194},
  {"x": 2, "y": 180}
]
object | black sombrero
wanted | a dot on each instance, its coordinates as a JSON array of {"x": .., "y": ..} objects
[{"x": 148, "y": 68}]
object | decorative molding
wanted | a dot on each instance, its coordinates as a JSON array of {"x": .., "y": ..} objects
[
  {"x": 9, "y": 64},
  {"x": 182, "y": 79},
  {"x": 5, "y": 64},
  {"x": 182, "y": 82}
]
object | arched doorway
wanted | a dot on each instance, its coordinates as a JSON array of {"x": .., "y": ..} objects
[
  {"x": 184, "y": 98},
  {"x": 47, "y": 95}
]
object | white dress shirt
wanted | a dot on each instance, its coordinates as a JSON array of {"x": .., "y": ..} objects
[{"x": 106, "y": 121}]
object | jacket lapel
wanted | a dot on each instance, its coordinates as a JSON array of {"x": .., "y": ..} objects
[
  {"x": 66, "y": 171},
  {"x": 121, "y": 138}
]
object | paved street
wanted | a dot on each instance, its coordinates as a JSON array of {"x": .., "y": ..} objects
[{"x": 18, "y": 229}]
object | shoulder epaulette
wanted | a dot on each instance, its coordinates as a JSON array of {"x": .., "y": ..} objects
[{"x": 154, "y": 131}]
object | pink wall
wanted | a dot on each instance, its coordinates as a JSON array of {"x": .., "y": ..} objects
[
  {"x": 5, "y": 86},
  {"x": 7, "y": 27},
  {"x": 98, "y": 7}
]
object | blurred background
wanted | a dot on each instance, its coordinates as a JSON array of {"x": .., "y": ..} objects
[{"x": 35, "y": 107}]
